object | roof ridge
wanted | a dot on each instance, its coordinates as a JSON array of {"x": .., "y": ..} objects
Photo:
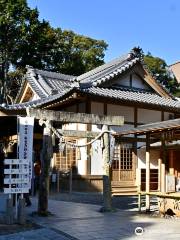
[
  {"x": 104, "y": 66},
  {"x": 51, "y": 74}
]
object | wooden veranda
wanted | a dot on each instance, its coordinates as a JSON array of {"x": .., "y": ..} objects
[{"x": 166, "y": 133}]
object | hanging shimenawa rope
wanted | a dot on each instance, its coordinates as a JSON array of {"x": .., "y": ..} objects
[
  {"x": 79, "y": 145},
  {"x": 60, "y": 136}
]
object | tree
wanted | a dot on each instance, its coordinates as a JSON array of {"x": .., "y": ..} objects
[
  {"x": 25, "y": 40},
  {"x": 160, "y": 71},
  {"x": 78, "y": 54}
]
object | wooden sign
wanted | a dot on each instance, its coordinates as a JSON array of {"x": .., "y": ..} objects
[
  {"x": 16, "y": 161},
  {"x": 170, "y": 183},
  {"x": 16, "y": 180},
  {"x": 16, "y": 171},
  {"x": 16, "y": 190}
]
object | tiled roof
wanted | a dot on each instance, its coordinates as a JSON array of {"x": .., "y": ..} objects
[
  {"x": 133, "y": 96},
  {"x": 116, "y": 94},
  {"x": 152, "y": 127},
  {"x": 46, "y": 83},
  {"x": 107, "y": 71},
  {"x": 50, "y": 86},
  {"x": 39, "y": 102}
]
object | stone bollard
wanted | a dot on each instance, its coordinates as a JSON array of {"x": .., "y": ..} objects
[
  {"x": 9, "y": 218},
  {"x": 21, "y": 211}
]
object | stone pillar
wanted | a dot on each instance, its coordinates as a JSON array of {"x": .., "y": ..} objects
[
  {"x": 9, "y": 218},
  {"x": 46, "y": 156},
  {"x": 107, "y": 203},
  {"x": 21, "y": 211}
]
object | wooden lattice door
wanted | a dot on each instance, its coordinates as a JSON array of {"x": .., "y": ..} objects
[{"x": 123, "y": 167}]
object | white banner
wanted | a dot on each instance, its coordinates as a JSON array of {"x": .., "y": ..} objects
[{"x": 25, "y": 141}]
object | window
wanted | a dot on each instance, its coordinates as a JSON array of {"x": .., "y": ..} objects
[{"x": 66, "y": 159}]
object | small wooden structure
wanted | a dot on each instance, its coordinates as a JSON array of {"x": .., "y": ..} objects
[{"x": 168, "y": 165}]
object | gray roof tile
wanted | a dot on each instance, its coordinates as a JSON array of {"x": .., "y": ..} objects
[
  {"x": 107, "y": 71},
  {"x": 116, "y": 94},
  {"x": 134, "y": 96}
]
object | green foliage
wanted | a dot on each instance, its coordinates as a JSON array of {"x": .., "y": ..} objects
[
  {"x": 25, "y": 40},
  {"x": 75, "y": 54},
  {"x": 159, "y": 70}
]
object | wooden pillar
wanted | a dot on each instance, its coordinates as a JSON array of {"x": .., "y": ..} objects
[
  {"x": 163, "y": 165},
  {"x": 163, "y": 178},
  {"x": 171, "y": 165},
  {"x": 46, "y": 156},
  {"x": 147, "y": 171},
  {"x": 107, "y": 203},
  {"x": 159, "y": 174}
]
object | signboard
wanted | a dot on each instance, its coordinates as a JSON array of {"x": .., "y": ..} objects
[
  {"x": 16, "y": 180},
  {"x": 25, "y": 141},
  {"x": 16, "y": 161},
  {"x": 16, "y": 190},
  {"x": 16, "y": 176},
  {"x": 170, "y": 183}
]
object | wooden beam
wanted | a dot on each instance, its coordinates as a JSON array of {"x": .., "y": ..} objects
[{"x": 68, "y": 117}]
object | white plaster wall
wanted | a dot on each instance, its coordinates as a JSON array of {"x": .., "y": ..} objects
[
  {"x": 81, "y": 127},
  {"x": 70, "y": 126},
  {"x": 96, "y": 158},
  {"x": 126, "y": 112},
  {"x": 82, "y": 162},
  {"x": 34, "y": 97},
  {"x": 148, "y": 116},
  {"x": 138, "y": 83},
  {"x": 125, "y": 81},
  {"x": 154, "y": 155}
]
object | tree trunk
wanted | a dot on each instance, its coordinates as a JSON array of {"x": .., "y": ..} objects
[{"x": 46, "y": 156}]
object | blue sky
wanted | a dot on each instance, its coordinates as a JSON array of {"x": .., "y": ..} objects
[{"x": 154, "y": 25}]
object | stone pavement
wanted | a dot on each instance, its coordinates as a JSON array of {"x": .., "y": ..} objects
[{"x": 85, "y": 222}]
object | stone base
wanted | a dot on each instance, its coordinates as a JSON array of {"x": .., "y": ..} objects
[{"x": 169, "y": 206}]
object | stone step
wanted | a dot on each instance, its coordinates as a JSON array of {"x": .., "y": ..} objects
[{"x": 124, "y": 190}]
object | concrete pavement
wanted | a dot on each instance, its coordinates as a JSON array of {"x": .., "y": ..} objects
[{"x": 85, "y": 222}]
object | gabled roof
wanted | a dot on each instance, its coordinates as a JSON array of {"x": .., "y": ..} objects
[
  {"x": 51, "y": 87},
  {"x": 107, "y": 71},
  {"x": 45, "y": 83}
]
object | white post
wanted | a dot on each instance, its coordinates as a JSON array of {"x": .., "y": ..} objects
[{"x": 147, "y": 172}]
